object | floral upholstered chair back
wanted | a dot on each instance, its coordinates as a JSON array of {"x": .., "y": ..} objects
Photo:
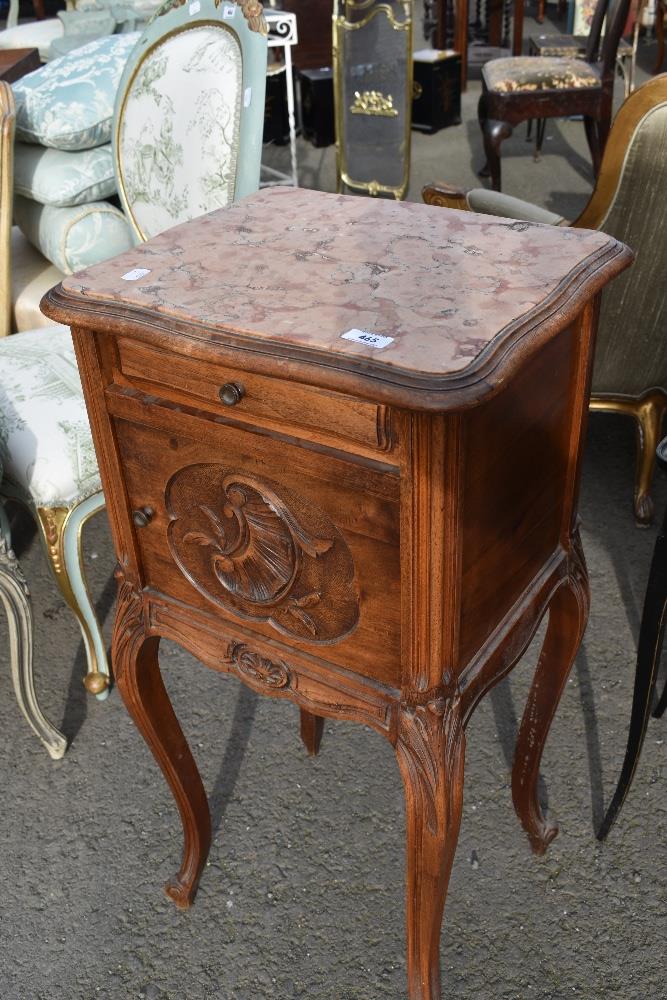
[{"x": 190, "y": 113}]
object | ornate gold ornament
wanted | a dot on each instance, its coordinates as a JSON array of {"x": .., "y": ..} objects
[{"x": 373, "y": 102}]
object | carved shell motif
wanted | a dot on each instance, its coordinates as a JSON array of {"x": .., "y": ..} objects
[{"x": 260, "y": 553}]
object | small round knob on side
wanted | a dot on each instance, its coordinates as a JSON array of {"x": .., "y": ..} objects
[
  {"x": 232, "y": 393},
  {"x": 142, "y": 516}
]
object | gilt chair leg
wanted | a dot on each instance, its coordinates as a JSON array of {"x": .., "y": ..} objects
[
  {"x": 61, "y": 529},
  {"x": 651, "y": 634},
  {"x": 15, "y": 597},
  {"x": 649, "y": 415}
]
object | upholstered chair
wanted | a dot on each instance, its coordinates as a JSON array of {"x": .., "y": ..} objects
[
  {"x": 187, "y": 139},
  {"x": 630, "y": 369},
  {"x": 520, "y": 88},
  {"x": 15, "y": 598}
]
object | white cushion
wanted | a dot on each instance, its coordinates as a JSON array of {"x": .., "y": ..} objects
[
  {"x": 35, "y": 35},
  {"x": 45, "y": 439},
  {"x": 32, "y": 276},
  {"x": 177, "y": 151}
]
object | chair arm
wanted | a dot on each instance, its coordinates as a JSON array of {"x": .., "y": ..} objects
[
  {"x": 487, "y": 202},
  {"x": 445, "y": 196}
]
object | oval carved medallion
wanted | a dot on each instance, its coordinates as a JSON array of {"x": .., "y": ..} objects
[{"x": 260, "y": 550}]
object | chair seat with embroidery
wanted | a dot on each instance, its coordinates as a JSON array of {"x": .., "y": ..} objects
[{"x": 538, "y": 73}]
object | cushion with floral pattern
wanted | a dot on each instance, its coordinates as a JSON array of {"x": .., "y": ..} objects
[{"x": 537, "y": 73}]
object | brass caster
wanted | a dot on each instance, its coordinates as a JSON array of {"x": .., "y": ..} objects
[{"x": 96, "y": 683}]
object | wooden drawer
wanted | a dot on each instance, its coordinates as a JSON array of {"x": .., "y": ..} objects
[
  {"x": 294, "y": 543},
  {"x": 290, "y": 407}
]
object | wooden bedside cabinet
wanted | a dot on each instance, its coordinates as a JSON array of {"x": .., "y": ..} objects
[{"x": 340, "y": 446}]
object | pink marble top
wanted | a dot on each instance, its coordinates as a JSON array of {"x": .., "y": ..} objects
[{"x": 301, "y": 268}]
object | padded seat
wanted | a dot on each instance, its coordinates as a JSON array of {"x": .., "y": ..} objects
[
  {"x": 45, "y": 440},
  {"x": 32, "y": 276},
  {"x": 525, "y": 74}
]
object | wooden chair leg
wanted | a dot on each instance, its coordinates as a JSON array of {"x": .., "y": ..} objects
[
  {"x": 15, "y": 597},
  {"x": 568, "y": 614},
  {"x": 430, "y": 750},
  {"x": 651, "y": 634},
  {"x": 662, "y": 704},
  {"x": 592, "y": 137},
  {"x": 539, "y": 137},
  {"x": 649, "y": 416},
  {"x": 312, "y": 727},
  {"x": 493, "y": 133},
  {"x": 61, "y": 529},
  {"x": 139, "y": 681},
  {"x": 540, "y": 11},
  {"x": 660, "y": 35}
]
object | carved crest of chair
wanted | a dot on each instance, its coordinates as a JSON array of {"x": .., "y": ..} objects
[
  {"x": 188, "y": 134},
  {"x": 630, "y": 369},
  {"x": 520, "y": 88}
]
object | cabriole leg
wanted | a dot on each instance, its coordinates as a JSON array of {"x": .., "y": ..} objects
[
  {"x": 140, "y": 683},
  {"x": 15, "y": 597},
  {"x": 61, "y": 529},
  {"x": 430, "y": 750},
  {"x": 649, "y": 414},
  {"x": 568, "y": 615}
]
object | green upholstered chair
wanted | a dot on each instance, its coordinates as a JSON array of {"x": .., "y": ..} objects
[
  {"x": 15, "y": 598},
  {"x": 187, "y": 139},
  {"x": 630, "y": 203}
]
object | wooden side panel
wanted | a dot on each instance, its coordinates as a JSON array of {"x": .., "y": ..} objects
[{"x": 515, "y": 487}]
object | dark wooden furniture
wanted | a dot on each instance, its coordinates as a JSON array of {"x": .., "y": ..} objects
[
  {"x": 313, "y": 50},
  {"x": 15, "y": 63},
  {"x": 520, "y": 88},
  {"x": 649, "y": 651},
  {"x": 448, "y": 25},
  {"x": 371, "y": 527}
]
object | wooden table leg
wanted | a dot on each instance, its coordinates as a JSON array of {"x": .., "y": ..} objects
[
  {"x": 137, "y": 674},
  {"x": 517, "y": 38},
  {"x": 568, "y": 615},
  {"x": 312, "y": 727},
  {"x": 431, "y": 751}
]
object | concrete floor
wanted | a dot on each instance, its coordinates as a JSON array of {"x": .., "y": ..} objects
[{"x": 303, "y": 894}]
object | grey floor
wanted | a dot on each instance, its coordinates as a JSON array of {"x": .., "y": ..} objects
[{"x": 303, "y": 894}]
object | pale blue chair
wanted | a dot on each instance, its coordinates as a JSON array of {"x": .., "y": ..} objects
[{"x": 187, "y": 139}]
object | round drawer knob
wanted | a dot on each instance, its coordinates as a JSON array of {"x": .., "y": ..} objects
[
  {"x": 232, "y": 393},
  {"x": 142, "y": 516}
]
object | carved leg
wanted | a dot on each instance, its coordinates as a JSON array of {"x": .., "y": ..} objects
[
  {"x": 15, "y": 597},
  {"x": 493, "y": 133},
  {"x": 430, "y": 750},
  {"x": 568, "y": 614},
  {"x": 649, "y": 415},
  {"x": 61, "y": 529},
  {"x": 140, "y": 683},
  {"x": 651, "y": 635},
  {"x": 312, "y": 727}
]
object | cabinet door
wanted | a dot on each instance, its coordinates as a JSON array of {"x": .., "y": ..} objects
[{"x": 297, "y": 541}]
